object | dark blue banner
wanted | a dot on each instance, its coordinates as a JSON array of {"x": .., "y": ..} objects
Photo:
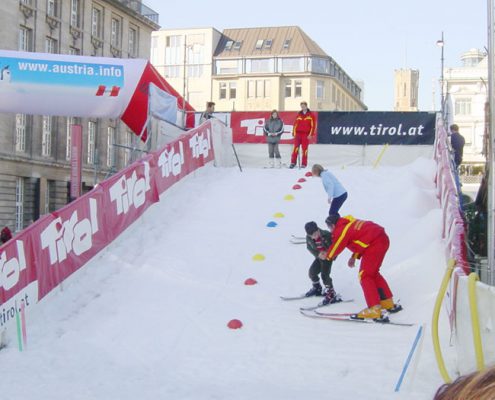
[{"x": 370, "y": 127}]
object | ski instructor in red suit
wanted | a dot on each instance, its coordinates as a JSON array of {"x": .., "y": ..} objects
[
  {"x": 304, "y": 128},
  {"x": 369, "y": 243}
]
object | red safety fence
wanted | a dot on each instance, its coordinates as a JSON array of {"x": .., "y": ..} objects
[{"x": 40, "y": 257}]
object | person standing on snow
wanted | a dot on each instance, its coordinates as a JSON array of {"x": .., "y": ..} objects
[
  {"x": 274, "y": 127},
  {"x": 369, "y": 243},
  {"x": 304, "y": 128},
  {"x": 335, "y": 190},
  {"x": 317, "y": 242}
]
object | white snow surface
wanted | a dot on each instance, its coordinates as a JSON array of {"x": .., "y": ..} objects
[{"x": 147, "y": 318}]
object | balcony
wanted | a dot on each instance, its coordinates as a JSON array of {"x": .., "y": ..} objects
[{"x": 141, "y": 9}]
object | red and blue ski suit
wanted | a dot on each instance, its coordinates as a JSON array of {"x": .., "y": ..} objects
[{"x": 368, "y": 242}]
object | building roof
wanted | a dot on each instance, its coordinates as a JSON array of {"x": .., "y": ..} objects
[{"x": 253, "y": 42}]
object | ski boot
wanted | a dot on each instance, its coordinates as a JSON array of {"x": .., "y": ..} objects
[
  {"x": 330, "y": 297},
  {"x": 390, "y": 306},
  {"x": 315, "y": 290},
  {"x": 374, "y": 313}
]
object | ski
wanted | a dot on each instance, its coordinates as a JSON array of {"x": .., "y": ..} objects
[
  {"x": 346, "y": 317},
  {"x": 289, "y": 298},
  {"x": 298, "y": 237},
  {"x": 320, "y": 305},
  {"x": 298, "y": 241}
]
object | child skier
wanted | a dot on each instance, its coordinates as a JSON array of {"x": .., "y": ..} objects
[{"x": 317, "y": 242}]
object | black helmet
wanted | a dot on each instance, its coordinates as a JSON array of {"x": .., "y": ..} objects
[{"x": 311, "y": 227}]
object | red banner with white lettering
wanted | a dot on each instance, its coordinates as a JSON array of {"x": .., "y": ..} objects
[
  {"x": 39, "y": 258},
  {"x": 247, "y": 127}
]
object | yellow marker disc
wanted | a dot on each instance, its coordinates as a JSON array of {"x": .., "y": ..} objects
[
  {"x": 289, "y": 197},
  {"x": 278, "y": 215},
  {"x": 258, "y": 257}
]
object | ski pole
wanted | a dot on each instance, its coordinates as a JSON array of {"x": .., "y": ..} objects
[{"x": 409, "y": 357}]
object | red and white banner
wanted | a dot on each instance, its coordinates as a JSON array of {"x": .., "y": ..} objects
[
  {"x": 247, "y": 127},
  {"x": 39, "y": 258},
  {"x": 75, "y": 161}
]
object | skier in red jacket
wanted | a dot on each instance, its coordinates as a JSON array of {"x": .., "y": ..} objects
[
  {"x": 368, "y": 243},
  {"x": 304, "y": 128}
]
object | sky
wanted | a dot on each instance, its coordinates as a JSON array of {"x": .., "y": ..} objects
[
  {"x": 149, "y": 320},
  {"x": 369, "y": 39}
]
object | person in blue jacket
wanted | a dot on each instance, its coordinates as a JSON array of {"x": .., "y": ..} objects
[{"x": 337, "y": 194}]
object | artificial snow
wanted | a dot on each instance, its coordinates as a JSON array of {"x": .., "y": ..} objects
[{"x": 147, "y": 318}]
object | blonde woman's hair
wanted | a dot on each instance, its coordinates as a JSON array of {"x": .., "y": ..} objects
[
  {"x": 476, "y": 386},
  {"x": 317, "y": 169}
]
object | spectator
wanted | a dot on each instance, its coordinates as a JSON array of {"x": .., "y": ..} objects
[
  {"x": 208, "y": 114},
  {"x": 274, "y": 127},
  {"x": 457, "y": 141},
  {"x": 479, "y": 385},
  {"x": 5, "y": 235}
]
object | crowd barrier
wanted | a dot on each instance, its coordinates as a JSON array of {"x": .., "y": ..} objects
[{"x": 43, "y": 255}]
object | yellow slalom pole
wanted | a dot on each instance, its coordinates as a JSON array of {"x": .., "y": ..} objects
[
  {"x": 475, "y": 321},
  {"x": 434, "y": 321},
  {"x": 379, "y": 158}
]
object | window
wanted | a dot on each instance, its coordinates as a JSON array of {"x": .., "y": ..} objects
[
  {"x": 223, "y": 90},
  {"x": 291, "y": 64},
  {"x": 91, "y": 142},
  {"x": 20, "y": 132},
  {"x": 129, "y": 137},
  {"x": 133, "y": 42},
  {"x": 251, "y": 88},
  {"x": 333, "y": 92},
  {"x": 268, "y": 44},
  {"x": 260, "y": 88},
  {"x": 228, "y": 45},
  {"x": 68, "y": 141},
  {"x": 320, "y": 65},
  {"x": 268, "y": 88},
  {"x": 25, "y": 39},
  {"x": 172, "y": 71},
  {"x": 19, "y": 204},
  {"x": 286, "y": 43},
  {"x": 115, "y": 33},
  {"x": 174, "y": 51},
  {"x": 259, "y": 44},
  {"x": 237, "y": 45},
  {"x": 463, "y": 106},
  {"x": 260, "y": 65},
  {"x": 46, "y": 136},
  {"x": 110, "y": 146},
  {"x": 51, "y": 8},
  {"x": 74, "y": 13},
  {"x": 51, "y": 45},
  {"x": 232, "y": 90},
  {"x": 96, "y": 23},
  {"x": 297, "y": 89},
  {"x": 226, "y": 67},
  {"x": 288, "y": 89},
  {"x": 320, "y": 90}
]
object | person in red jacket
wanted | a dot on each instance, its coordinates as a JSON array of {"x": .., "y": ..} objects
[
  {"x": 368, "y": 243},
  {"x": 304, "y": 128}
]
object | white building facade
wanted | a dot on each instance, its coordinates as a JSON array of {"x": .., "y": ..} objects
[{"x": 465, "y": 90}]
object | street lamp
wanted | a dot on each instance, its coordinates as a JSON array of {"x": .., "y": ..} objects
[
  {"x": 187, "y": 48},
  {"x": 440, "y": 43}
]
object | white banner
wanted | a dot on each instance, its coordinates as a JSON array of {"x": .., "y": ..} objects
[
  {"x": 162, "y": 105},
  {"x": 64, "y": 85}
]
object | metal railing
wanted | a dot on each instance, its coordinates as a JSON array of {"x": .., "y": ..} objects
[{"x": 141, "y": 9}]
